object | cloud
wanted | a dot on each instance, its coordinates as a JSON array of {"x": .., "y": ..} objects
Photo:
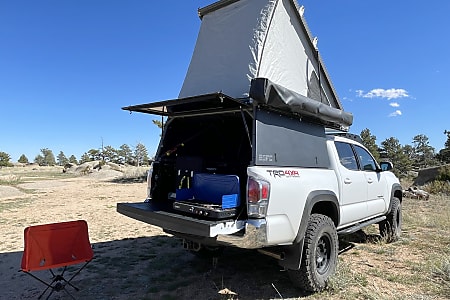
[
  {"x": 359, "y": 93},
  {"x": 396, "y": 113},
  {"x": 382, "y": 93},
  {"x": 394, "y": 104}
]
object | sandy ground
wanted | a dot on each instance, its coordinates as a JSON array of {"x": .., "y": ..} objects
[
  {"x": 134, "y": 260},
  {"x": 49, "y": 201}
]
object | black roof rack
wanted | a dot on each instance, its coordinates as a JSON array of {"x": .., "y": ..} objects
[{"x": 348, "y": 135}]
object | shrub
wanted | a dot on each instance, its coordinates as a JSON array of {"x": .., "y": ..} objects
[
  {"x": 10, "y": 180},
  {"x": 444, "y": 173},
  {"x": 438, "y": 187},
  {"x": 442, "y": 183}
]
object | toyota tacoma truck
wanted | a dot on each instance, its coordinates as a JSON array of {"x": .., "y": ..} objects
[{"x": 272, "y": 171}]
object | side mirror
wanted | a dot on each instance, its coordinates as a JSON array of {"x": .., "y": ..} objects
[{"x": 386, "y": 166}]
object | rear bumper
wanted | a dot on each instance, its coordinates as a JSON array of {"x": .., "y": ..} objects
[
  {"x": 253, "y": 236},
  {"x": 249, "y": 234}
]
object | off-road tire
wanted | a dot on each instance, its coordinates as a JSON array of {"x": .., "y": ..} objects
[
  {"x": 319, "y": 255},
  {"x": 391, "y": 228}
]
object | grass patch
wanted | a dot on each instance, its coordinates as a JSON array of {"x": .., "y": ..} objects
[
  {"x": 419, "y": 263},
  {"x": 10, "y": 180},
  {"x": 440, "y": 274},
  {"x": 14, "y": 204},
  {"x": 345, "y": 277},
  {"x": 17, "y": 175},
  {"x": 347, "y": 284},
  {"x": 133, "y": 175}
]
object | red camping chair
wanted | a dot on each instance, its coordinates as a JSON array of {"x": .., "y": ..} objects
[{"x": 54, "y": 246}]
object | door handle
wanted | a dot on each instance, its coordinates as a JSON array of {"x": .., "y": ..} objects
[
  {"x": 370, "y": 180},
  {"x": 347, "y": 181}
]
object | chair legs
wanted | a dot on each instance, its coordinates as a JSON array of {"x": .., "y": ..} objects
[
  {"x": 57, "y": 285},
  {"x": 58, "y": 282}
]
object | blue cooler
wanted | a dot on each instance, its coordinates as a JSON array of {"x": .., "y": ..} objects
[{"x": 216, "y": 189}]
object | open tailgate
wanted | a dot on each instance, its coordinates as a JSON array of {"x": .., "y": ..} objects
[{"x": 153, "y": 214}]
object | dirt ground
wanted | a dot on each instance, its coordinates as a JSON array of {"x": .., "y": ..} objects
[{"x": 134, "y": 260}]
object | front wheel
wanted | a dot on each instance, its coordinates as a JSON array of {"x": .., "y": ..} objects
[
  {"x": 391, "y": 228},
  {"x": 319, "y": 258}
]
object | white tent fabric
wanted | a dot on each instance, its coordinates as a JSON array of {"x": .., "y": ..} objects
[{"x": 246, "y": 39}]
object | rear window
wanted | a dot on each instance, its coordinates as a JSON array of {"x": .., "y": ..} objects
[{"x": 346, "y": 156}]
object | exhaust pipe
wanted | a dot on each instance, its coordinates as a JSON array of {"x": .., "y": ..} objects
[{"x": 191, "y": 245}]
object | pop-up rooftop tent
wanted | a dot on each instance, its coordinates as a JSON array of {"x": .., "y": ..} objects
[
  {"x": 241, "y": 40},
  {"x": 262, "y": 50}
]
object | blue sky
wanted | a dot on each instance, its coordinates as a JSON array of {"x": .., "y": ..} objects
[{"x": 67, "y": 67}]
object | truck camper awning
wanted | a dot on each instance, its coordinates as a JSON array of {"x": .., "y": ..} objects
[
  {"x": 191, "y": 106},
  {"x": 274, "y": 96},
  {"x": 263, "y": 93}
]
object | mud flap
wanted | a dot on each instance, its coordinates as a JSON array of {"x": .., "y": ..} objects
[{"x": 292, "y": 256}]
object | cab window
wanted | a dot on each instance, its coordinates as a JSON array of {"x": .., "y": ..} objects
[
  {"x": 367, "y": 163},
  {"x": 346, "y": 156}
]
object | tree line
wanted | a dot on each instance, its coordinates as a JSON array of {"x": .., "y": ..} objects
[
  {"x": 136, "y": 156},
  {"x": 406, "y": 158}
]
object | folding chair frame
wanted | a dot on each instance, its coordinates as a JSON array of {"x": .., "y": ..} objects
[{"x": 56, "y": 285}]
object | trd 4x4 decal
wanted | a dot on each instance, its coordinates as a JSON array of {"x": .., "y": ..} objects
[{"x": 283, "y": 173}]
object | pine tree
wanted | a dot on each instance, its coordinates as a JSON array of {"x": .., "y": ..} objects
[
  {"x": 447, "y": 143},
  {"x": 5, "y": 159},
  {"x": 369, "y": 141},
  {"x": 62, "y": 159},
  {"x": 94, "y": 154},
  {"x": 444, "y": 154},
  {"x": 48, "y": 157},
  {"x": 141, "y": 155},
  {"x": 84, "y": 158},
  {"x": 39, "y": 159},
  {"x": 125, "y": 154},
  {"x": 423, "y": 153},
  {"x": 395, "y": 153},
  {"x": 73, "y": 159},
  {"x": 23, "y": 159},
  {"x": 110, "y": 154}
]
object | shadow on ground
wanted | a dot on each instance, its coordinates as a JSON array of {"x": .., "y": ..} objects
[{"x": 158, "y": 268}]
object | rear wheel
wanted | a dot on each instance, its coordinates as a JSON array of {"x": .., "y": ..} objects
[
  {"x": 319, "y": 256},
  {"x": 391, "y": 228}
]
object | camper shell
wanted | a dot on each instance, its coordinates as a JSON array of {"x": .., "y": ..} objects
[
  {"x": 213, "y": 137},
  {"x": 219, "y": 135}
]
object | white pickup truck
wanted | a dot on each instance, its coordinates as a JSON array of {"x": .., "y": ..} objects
[{"x": 264, "y": 173}]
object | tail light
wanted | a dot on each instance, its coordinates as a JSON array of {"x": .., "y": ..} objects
[{"x": 258, "y": 192}]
